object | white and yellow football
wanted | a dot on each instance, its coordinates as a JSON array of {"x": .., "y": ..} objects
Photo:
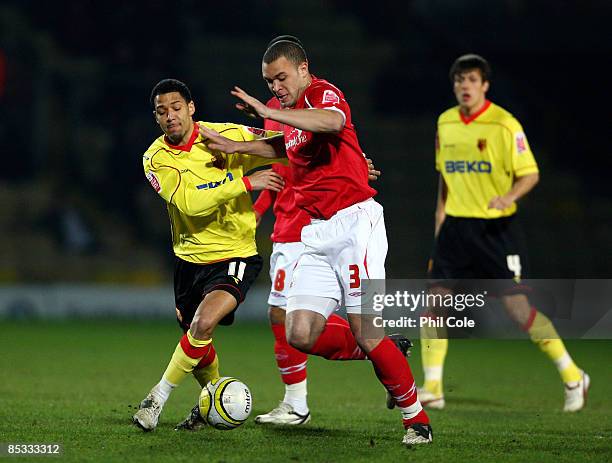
[{"x": 225, "y": 403}]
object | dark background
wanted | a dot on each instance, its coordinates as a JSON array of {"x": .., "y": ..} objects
[{"x": 75, "y": 78}]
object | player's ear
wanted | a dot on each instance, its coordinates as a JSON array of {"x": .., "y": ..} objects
[
  {"x": 303, "y": 69},
  {"x": 155, "y": 117},
  {"x": 191, "y": 107},
  {"x": 485, "y": 86}
]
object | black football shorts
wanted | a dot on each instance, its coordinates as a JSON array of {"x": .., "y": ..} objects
[
  {"x": 194, "y": 281},
  {"x": 491, "y": 250}
]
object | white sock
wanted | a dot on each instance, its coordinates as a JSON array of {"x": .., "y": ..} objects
[
  {"x": 162, "y": 390},
  {"x": 295, "y": 395},
  {"x": 411, "y": 411}
]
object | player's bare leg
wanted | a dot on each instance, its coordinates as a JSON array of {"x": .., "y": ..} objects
[
  {"x": 544, "y": 335},
  {"x": 192, "y": 348}
]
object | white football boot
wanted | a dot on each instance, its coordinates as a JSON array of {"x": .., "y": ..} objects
[
  {"x": 418, "y": 434},
  {"x": 283, "y": 415},
  {"x": 431, "y": 400},
  {"x": 147, "y": 416},
  {"x": 576, "y": 394}
]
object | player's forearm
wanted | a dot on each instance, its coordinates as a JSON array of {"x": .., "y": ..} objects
[
  {"x": 440, "y": 214},
  {"x": 266, "y": 148},
  {"x": 311, "y": 120},
  {"x": 522, "y": 186}
]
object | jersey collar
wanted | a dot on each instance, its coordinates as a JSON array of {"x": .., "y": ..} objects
[
  {"x": 187, "y": 146},
  {"x": 467, "y": 119}
]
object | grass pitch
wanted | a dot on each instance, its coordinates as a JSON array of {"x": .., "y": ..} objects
[{"x": 78, "y": 383}]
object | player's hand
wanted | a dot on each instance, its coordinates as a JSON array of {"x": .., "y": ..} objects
[
  {"x": 252, "y": 107},
  {"x": 373, "y": 174},
  {"x": 501, "y": 202},
  {"x": 266, "y": 180},
  {"x": 218, "y": 142}
]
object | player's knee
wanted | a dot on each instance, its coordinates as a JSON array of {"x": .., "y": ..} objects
[
  {"x": 276, "y": 315},
  {"x": 201, "y": 327},
  {"x": 301, "y": 340}
]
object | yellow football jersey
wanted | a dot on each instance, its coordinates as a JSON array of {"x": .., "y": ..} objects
[
  {"x": 479, "y": 157},
  {"x": 210, "y": 209}
]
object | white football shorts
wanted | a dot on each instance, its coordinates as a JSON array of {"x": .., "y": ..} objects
[
  {"x": 282, "y": 262},
  {"x": 338, "y": 254}
]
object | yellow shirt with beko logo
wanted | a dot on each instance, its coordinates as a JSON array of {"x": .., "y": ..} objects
[
  {"x": 479, "y": 157},
  {"x": 210, "y": 209}
]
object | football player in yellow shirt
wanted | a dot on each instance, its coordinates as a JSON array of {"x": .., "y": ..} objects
[
  {"x": 213, "y": 233},
  {"x": 486, "y": 166}
]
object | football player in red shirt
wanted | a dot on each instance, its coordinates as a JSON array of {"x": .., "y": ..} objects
[
  {"x": 287, "y": 247},
  {"x": 345, "y": 241}
]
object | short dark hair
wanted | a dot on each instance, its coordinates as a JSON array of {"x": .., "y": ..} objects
[
  {"x": 288, "y": 46},
  {"x": 169, "y": 86},
  {"x": 467, "y": 63}
]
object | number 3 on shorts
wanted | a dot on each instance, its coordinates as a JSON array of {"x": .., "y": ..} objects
[{"x": 354, "y": 276}]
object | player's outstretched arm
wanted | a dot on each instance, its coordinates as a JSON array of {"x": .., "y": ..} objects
[
  {"x": 522, "y": 186},
  {"x": 273, "y": 147},
  {"x": 266, "y": 180},
  {"x": 311, "y": 120}
]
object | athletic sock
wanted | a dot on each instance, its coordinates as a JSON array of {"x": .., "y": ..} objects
[
  {"x": 545, "y": 336},
  {"x": 394, "y": 373},
  {"x": 186, "y": 356},
  {"x": 290, "y": 361},
  {"x": 295, "y": 395},
  {"x": 208, "y": 367},
  {"x": 434, "y": 346},
  {"x": 337, "y": 341},
  {"x": 162, "y": 391}
]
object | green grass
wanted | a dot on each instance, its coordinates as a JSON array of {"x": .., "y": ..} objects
[{"x": 77, "y": 383}]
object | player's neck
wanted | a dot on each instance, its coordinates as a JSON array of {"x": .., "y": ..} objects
[
  {"x": 475, "y": 109},
  {"x": 307, "y": 83}
]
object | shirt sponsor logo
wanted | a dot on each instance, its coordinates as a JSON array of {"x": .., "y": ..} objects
[
  {"x": 329, "y": 96},
  {"x": 478, "y": 167},
  {"x": 296, "y": 137},
  {"x": 154, "y": 181},
  {"x": 521, "y": 142},
  {"x": 211, "y": 185}
]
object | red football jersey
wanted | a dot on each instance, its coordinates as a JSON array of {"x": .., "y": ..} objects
[
  {"x": 330, "y": 172},
  {"x": 289, "y": 218}
]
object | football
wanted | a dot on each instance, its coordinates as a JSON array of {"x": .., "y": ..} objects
[{"x": 225, "y": 403}]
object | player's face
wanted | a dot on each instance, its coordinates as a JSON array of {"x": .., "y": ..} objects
[
  {"x": 286, "y": 80},
  {"x": 470, "y": 90},
  {"x": 174, "y": 116}
]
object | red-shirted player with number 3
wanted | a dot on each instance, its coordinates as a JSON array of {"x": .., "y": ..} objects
[
  {"x": 287, "y": 247},
  {"x": 346, "y": 238}
]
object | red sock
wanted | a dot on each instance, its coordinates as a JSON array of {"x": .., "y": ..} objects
[
  {"x": 337, "y": 342},
  {"x": 291, "y": 362},
  {"x": 394, "y": 373},
  {"x": 208, "y": 358}
]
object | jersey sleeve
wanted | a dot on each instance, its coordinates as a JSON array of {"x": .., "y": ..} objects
[
  {"x": 523, "y": 161},
  {"x": 326, "y": 96},
  {"x": 265, "y": 199},
  {"x": 192, "y": 200},
  {"x": 239, "y": 132}
]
